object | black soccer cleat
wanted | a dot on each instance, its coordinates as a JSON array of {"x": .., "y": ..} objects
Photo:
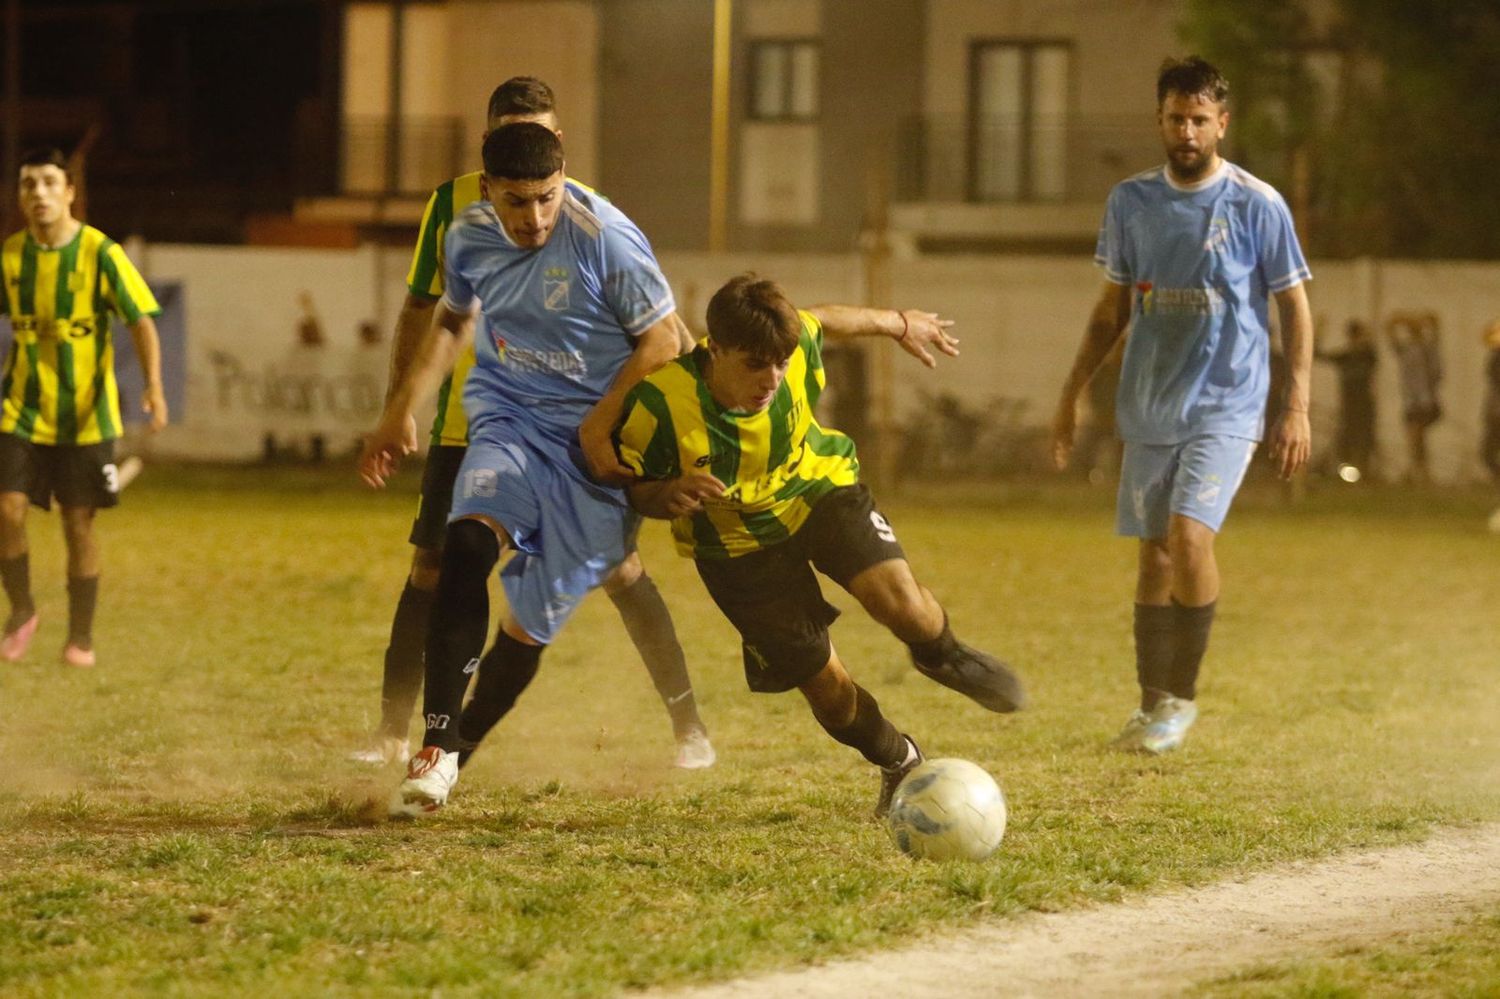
[
  {"x": 980, "y": 677},
  {"x": 891, "y": 778}
]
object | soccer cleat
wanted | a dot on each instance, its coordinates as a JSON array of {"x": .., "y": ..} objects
[
  {"x": 1129, "y": 738},
  {"x": 74, "y": 654},
  {"x": 383, "y": 749},
  {"x": 891, "y": 777},
  {"x": 430, "y": 775},
  {"x": 980, "y": 677},
  {"x": 1170, "y": 720},
  {"x": 694, "y": 751},
  {"x": 15, "y": 643}
]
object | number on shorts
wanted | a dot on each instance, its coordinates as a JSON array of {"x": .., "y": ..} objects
[
  {"x": 882, "y": 527},
  {"x": 481, "y": 482},
  {"x": 111, "y": 478}
]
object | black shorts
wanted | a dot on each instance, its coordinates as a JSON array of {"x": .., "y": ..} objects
[
  {"x": 81, "y": 475},
  {"x": 438, "y": 476},
  {"x": 772, "y": 597}
]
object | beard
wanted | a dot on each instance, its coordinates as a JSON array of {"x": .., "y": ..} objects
[{"x": 1190, "y": 165}]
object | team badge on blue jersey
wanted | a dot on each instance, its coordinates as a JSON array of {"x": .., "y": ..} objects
[{"x": 555, "y": 289}]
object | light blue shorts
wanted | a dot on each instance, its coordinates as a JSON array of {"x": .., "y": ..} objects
[
  {"x": 569, "y": 531},
  {"x": 1197, "y": 478}
]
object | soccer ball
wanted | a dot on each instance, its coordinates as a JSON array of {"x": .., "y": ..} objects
[{"x": 947, "y": 809}]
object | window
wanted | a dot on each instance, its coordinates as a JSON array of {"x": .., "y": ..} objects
[
  {"x": 784, "y": 80},
  {"x": 1018, "y": 121}
]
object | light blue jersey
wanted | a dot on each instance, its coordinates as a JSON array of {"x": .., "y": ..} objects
[
  {"x": 557, "y": 322},
  {"x": 1202, "y": 262}
]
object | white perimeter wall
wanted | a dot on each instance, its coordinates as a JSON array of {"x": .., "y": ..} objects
[{"x": 1020, "y": 320}]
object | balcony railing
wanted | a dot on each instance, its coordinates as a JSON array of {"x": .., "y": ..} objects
[
  {"x": 1006, "y": 160},
  {"x": 429, "y": 150}
]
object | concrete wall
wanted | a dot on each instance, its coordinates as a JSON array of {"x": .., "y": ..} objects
[{"x": 1019, "y": 319}]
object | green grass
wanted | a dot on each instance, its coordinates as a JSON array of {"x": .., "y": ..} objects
[
  {"x": 181, "y": 821},
  {"x": 1464, "y": 962}
]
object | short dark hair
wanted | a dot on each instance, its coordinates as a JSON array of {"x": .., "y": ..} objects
[
  {"x": 753, "y": 314},
  {"x": 521, "y": 95},
  {"x": 46, "y": 156},
  {"x": 522, "y": 151},
  {"x": 1191, "y": 77}
]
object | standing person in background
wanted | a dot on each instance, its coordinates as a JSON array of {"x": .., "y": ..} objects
[
  {"x": 1355, "y": 445},
  {"x": 1192, "y": 254},
  {"x": 61, "y": 409},
  {"x": 1414, "y": 338},
  {"x": 634, "y": 593},
  {"x": 1489, "y": 446}
]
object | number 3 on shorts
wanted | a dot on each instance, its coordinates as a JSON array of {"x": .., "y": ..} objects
[
  {"x": 882, "y": 527},
  {"x": 111, "y": 478}
]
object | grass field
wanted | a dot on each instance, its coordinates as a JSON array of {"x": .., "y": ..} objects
[{"x": 181, "y": 820}]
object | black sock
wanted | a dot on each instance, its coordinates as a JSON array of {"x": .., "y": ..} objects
[
  {"x": 15, "y": 574},
  {"x": 403, "y": 660},
  {"x": 456, "y": 627},
  {"x": 1155, "y": 629},
  {"x": 871, "y": 733},
  {"x": 83, "y": 594},
  {"x": 506, "y": 670},
  {"x": 1191, "y": 625},
  {"x": 649, "y": 624},
  {"x": 935, "y": 651}
]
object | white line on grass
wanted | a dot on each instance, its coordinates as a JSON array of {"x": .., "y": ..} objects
[{"x": 1161, "y": 944}]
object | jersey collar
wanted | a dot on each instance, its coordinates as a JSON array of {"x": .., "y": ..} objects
[{"x": 1201, "y": 185}]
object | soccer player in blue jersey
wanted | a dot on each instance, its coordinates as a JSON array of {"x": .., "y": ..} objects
[
  {"x": 633, "y": 592},
  {"x": 1192, "y": 253},
  {"x": 568, "y": 310}
]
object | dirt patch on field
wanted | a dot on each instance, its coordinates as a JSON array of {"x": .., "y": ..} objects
[{"x": 1160, "y": 944}]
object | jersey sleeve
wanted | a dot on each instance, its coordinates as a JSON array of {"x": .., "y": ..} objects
[
  {"x": 425, "y": 278},
  {"x": 458, "y": 293},
  {"x": 127, "y": 289},
  {"x": 646, "y": 441},
  {"x": 1282, "y": 265},
  {"x": 1111, "y": 252},
  {"x": 634, "y": 287},
  {"x": 811, "y": 345}
]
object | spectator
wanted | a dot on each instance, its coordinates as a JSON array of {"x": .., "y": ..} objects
[
  {"x": 1354, "y": 446},
  {"x": 1414, "y": 338}
]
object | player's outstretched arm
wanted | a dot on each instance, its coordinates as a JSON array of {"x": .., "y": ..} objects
[
  {"x": 1107, "y": 322},
  {"x": 412, "y": 324},
  {"x": 1291, "y": 439},
  {"x": 918, "y": 333},
  {"x": 148, "y": 350},
  {"x": 393, "y": 437},
  {"x": 658, "y": 345},
  {"x": 667, "y": 499}
]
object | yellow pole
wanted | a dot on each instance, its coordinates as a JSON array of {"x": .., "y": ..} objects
[{"x": 718, "y": 157}]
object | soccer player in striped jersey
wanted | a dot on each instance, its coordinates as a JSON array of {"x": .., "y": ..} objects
[
  {"x": 641, "y": 608},
  {"x": 726, "y": 446},
  {"x": 60, "y": 414},
  {"x": 1193, "y": 252}
]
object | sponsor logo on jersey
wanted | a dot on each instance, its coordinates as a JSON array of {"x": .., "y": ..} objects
[
  {"x": 569, "y": 363},
  {"x": 1181, "y": 301}
]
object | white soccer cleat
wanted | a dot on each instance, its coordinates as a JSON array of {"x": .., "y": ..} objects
[
  {"x": 430, "y": 775},
  {"x": 383, "y": 749},
  {"x": 694, "y": 751},
  {"x": 1129, "y": 738},
  {"x": 1170, "y": 720}
]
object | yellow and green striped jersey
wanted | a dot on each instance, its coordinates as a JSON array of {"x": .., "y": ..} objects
[
  {"x": 425, "y": 279},
  {"x": 775, "y": 464},
  {"x": 59, "y": 383}
]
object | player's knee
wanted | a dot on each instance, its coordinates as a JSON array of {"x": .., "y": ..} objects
[
  {"x": 625, "y": 575},
  {"x": 468, "y": 546},
  {"x": 426, "y": 566},
  {"x": 895, "y": 600},
  {"x": 1190, "y": 545}
]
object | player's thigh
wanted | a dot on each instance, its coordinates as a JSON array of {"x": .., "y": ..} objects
[
  {"x": 1144, "y": 503},
  {"x": 20, "y": 475},
  {"x": 495, "y": 483},
  {"x": 1210, "y": 470},
  {"x": 438, "y": 475},
  {"x": 773, "y": 600},
  {"x": 84, "y": 475}
]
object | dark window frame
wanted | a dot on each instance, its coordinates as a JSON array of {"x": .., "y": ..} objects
[{"x": 790, "y": 44}]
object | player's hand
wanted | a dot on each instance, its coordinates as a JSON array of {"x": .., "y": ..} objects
[
  {"x": 154, "y": 405},
  {"x": 383, "y": 450},
  {"x": 596, "y": 438},
  {"x": 1064, "y": 427},
  {"x": 924, "y": 330},
  {"x": 685, "y": 494},
  {"x": 1291, "y": 444}
]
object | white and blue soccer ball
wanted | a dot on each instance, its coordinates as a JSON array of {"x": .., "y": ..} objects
[{"x": 947, "y": 809}]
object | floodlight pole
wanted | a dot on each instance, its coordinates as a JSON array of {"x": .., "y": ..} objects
[
  {"x": 394, "y": 99},
  {"x": 718, "y": 156},
  {"x": 12, "y": 137}
]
